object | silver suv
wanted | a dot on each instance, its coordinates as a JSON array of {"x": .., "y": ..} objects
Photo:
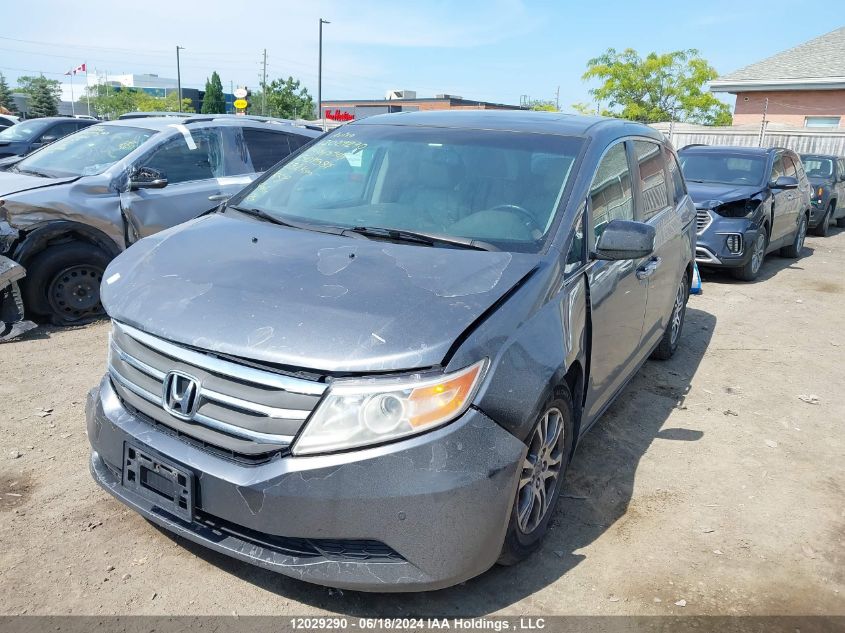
[{"x": 71, "y": 207}]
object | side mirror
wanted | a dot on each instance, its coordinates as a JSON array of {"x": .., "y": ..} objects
[
  {"x": 147, "y": 178},
  {"x": 623, "y": 239},
  {"x": 785, "y": 182}
]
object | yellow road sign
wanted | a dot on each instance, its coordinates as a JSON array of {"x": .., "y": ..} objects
[{"x": 240, "y": 104}]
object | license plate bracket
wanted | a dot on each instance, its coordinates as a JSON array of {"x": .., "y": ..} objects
[{"x": 159, "y": 481}]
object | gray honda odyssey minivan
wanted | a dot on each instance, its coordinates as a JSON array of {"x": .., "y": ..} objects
[{"x": 371, "y": 369}]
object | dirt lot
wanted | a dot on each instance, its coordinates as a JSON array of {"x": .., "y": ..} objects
[{"x": 710, "y": 481}]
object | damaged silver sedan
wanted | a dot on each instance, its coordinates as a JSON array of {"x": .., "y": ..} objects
[{"x": 67, "y": 209}]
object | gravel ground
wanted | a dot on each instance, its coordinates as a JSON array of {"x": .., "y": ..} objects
[{"x": 710, "y": 487}]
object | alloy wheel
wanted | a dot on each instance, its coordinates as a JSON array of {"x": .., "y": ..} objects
[
  {"x": 802, "y": 233},
  {"x": 759, "y": 253},
  {"x": 540, "y": 471},
  {"x": 678, "y": 310}
]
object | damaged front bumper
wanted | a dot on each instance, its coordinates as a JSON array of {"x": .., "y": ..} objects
[
  {"x": 419, "y": 514},
  {"x": 12, "y": 322},
  {"x": 724, "y": 242}
]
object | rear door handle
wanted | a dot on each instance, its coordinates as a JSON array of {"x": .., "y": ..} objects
[{"x": 647, "y": 270}]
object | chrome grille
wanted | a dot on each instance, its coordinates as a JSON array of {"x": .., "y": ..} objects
[
  {"x": 703, "y": 219},
  {"x": 241, "y": 409}
]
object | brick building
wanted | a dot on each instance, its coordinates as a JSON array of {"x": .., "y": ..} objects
[
  {"x": 802, "y": 87},
  {"x": 405, "y": 101}
]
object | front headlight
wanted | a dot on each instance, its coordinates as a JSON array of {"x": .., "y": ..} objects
[{"x": 357, "y": 413}]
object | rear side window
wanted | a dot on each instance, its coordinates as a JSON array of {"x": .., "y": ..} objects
[
  {"x": 266, "y": 148},
  {"x": 655, "y": 196},
  {"x": 610, "y": 194}
]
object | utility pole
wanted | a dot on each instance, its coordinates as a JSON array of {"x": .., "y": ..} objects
[
  {"x": 179, "y": 76},
  {"x": 320, "y": 75},
  {"x": 557, "y": 99},
  {"x": 264, "y": 86},
  {"x": 763, "y": 123}
]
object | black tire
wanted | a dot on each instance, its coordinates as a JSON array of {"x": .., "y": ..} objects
[
  {"x": 752, "y": 267},
  {"x": 672, "y": 336},
  {"x": 793, "y": 251},
  {"x": 840, "y": 222},
  {"x": 823, "y": 228},
  {"x": 520, "y": 543},
  {"x": 63, "y": 283}
]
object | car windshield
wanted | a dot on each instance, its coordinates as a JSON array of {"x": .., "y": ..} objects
[
  {"x": 729, "y": 169},
  {"x": 22, "y": 131},
  {"x": 497, "y": 187},
  {"x": 89, "y": 151},
  {"x": 817, "y": 167}
]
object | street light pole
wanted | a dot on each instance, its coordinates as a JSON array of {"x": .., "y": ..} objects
[
  {"x": 320, "y": 74},
  {"x": 179, "y": 76}
]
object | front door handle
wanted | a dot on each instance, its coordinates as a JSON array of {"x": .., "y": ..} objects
[{"x": 647, "y": 270}]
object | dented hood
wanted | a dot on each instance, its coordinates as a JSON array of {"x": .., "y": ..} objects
[
  {"x": 701, "y": 192},
  {"x": 249, "y": 288},
  {"x": 11, "y": 182}
]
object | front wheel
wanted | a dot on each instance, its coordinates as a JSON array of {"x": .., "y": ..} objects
[
  {"x": 63, "y": 283},
  {"x": 793, "y": 251},
  {"x": 822, "y": 229},
  {"x": 540, "y": 479},
  {"x": 672, "y": 336},
  {"x": 751, "y": 269}
]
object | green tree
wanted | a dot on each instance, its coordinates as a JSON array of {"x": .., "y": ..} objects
[
  {"x": 43, "y": 95},
  {"x": 213, "y": 102},
  {"x": 543, "y": 106},
  {"x": 6, "y": 100},
  {"x": 659, "y": 87},
  {"x": 110, "y": 102},
  {"x": 287, "y": 99}
]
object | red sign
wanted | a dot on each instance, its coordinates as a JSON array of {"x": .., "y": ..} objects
[{"x": 337, "y": 115}]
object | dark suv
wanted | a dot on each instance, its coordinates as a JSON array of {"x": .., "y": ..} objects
[
  {"x": 371, "y": 369},
  {"x": 826, "y": 174},
  {"x": 26, "y": 136},
  {"x": 750, "y": 201}
]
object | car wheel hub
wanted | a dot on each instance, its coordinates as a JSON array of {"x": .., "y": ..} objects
[
  {"x": 75, "y": 291},
  {"x": 759, "y": 253},
  {"x": 540, "y": 471}
]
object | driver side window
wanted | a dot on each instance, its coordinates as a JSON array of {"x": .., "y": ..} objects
[
  {"x": 611, "y": 197},
  {"x": 777, "y": 169},
  {"x": 181, "y": 159}
]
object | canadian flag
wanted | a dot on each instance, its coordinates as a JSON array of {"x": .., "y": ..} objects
[{"x": 78, "y": 69}]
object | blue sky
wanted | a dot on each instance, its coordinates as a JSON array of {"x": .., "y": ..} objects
[{"x": 493, "y": 50}]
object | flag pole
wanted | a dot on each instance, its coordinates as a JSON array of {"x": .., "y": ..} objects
[
  {"x": 72, "y": 104},
  {"x": 87, "y": 91}
]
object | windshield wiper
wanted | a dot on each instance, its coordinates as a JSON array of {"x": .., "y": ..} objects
[
  {"x": 258, "y": 213},
  {"x": 421, "y": 237},
  {"x": 40, "y": 174}
]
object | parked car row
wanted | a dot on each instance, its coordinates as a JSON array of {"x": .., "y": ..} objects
[
  {"x": 371, "y": 366},
  {"x": 27, "y": 136}
]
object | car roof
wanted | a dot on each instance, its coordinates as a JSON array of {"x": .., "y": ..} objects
[
  {"x": 516, "y": 121},
  {"x": 50, "y": 119},
  {"x": 163, "y": 123},
  {"x": 733, "y": 149}
]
